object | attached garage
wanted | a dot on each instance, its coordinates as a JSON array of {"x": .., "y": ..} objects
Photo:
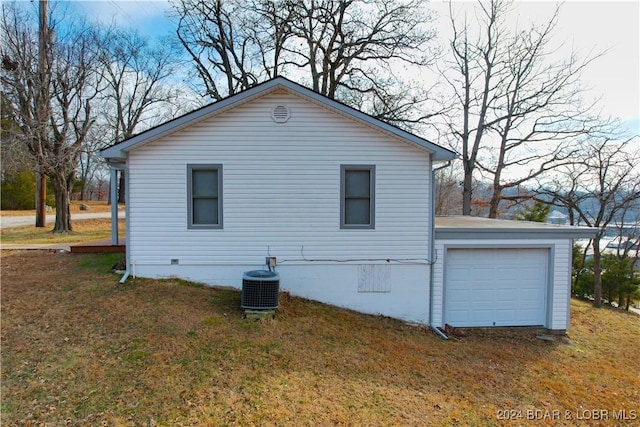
[
  {"x": 496, "y": 287},
  {"x": 492, "y": 273}
]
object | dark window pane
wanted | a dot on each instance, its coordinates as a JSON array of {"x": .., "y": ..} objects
[
  {"x": 357, "y": 212},
  {"x": 357, "y": 183},
  {"x": 205, "y": 211},
  {"x": 205, "y": 183}
]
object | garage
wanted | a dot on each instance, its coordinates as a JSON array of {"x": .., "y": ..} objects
[
  {"x": 494, "y": 272},
  {"x": 496, "y": 286}
]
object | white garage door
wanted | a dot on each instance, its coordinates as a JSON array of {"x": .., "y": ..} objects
[{"x": 496, "y": 287}]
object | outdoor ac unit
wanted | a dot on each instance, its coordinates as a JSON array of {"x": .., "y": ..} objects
[{"x": 260, "y": 290}]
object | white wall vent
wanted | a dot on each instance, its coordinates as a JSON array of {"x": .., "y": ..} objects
[{"x": 280, "y": 113}]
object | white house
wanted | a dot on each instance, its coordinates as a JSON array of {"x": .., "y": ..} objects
[
  {"x": 345, "y": 204},
  {"x": 557, "y": 217}
]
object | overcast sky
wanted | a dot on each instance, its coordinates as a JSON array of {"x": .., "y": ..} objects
[{"x": 586, "y": 26}]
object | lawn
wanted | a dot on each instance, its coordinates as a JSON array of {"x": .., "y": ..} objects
[
  {"x": 79, "y": 349},
  {"x": 93, "y": 206},
  {"x": 84, "y": 230}
]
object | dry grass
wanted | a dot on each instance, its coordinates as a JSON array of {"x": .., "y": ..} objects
[
  {"x": 78, "y": 348},
  {"x": 84, "y": 230},
  {"x": 74, "y": 208}
]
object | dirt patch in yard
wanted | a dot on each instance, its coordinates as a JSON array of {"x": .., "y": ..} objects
[{"x": 80, "y": 349}]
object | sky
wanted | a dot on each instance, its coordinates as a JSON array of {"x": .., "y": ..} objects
[{"x": 584, "y": 26}]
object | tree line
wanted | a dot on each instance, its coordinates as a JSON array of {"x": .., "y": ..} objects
[{"x": 519, "y": 120}]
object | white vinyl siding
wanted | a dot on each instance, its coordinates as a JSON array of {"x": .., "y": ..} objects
[{"x": 282, "y": 198}]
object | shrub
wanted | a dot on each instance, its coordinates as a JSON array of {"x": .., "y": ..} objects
[{"x": 19, "y": 190}]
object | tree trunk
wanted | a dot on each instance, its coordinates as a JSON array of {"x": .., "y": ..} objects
[
  {"x": 41, "y": 200},
  {"x": 62, "y": 190},
  {"x": 467, "y": 192},
  {"x": 121, "y": 186},
  {"x": 83, "y": 190},
  {"x": 597, "y": 273},
  {"x": 43, "y": 111},
  {"x": 495, "y": 201}
]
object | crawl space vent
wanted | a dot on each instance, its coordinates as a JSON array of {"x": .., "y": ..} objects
[{"x": 280, "y": 113}]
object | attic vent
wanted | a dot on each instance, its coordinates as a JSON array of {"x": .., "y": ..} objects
[{"x": 280, "y": 113}]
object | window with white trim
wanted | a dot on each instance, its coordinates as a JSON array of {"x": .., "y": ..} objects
[
  {"x": 357, "y": 196},
  {"x": 204, "y": 192}
]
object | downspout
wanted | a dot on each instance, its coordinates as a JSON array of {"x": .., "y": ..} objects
[
  {"x": 114, "y": 204},
  {"x": 432, "y": 245},
  {"x": 125, "y": 276},
  {"x": 114, "y": 211}
]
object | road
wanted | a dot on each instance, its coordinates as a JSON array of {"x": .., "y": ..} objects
[{"x": 18, "y": 221}]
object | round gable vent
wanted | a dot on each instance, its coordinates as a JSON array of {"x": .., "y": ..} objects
[{"x": 280, "y": 113}]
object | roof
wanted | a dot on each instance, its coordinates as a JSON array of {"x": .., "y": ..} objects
[
  {"x": 118, "y": 152},
  {"x": 465, "y": 227}
]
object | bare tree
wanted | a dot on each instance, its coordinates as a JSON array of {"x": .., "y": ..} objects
[
  {"x": 137, "y": 92},
  {"x": 89, "y": 164},
  {"x": 26, "y": 86},
  {"x": 56, "y": 142},
  {"x": 219, "y": 41},
  {"x": 134, "y": 72},
  {"x": 598, "y": 190},
  {"x": 267, "y": 25},
  {"x": 353, "y": 45},
  {"x": 515, "y": 109},
  {"x": 14, "y": 155},
  {"x": 75, "y": 87},
  {"x": 447, "y": 192},
  {"x": 43, "y": 106},
  {"x": 346, "y": 50}
]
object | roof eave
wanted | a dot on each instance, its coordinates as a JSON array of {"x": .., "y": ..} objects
[{"x": 566, "y": 232}]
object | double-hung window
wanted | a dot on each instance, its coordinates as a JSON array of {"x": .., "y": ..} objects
[
  {"x": 204, "y": 188},
  {"x": 357, "y": 196}
]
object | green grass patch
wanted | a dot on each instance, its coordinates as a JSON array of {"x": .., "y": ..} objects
[{"x": 99, "y": 263}]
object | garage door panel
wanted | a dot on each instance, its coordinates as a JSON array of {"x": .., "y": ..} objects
[
  {"x": 480, "y": 296},
  {"x": 507, "y": 296},
  {"x": 528, "y": 294},
  {"x": 503, "y": 316},
  {"x": 459, "y": 316},
  {"x": 481, "y": 316},
  {"x": 459, "y": 275},
  {"x": 483, "y": 274},
  {"x": 460, "y": 296},
  {"x": 496, "y": 287},
  {"x": 528, "y": 315}
]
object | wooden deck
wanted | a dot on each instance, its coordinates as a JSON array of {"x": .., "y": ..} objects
[{"x": 98, "y": 247}]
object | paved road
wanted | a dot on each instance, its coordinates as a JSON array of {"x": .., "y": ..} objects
[{"x": 18, "y": 221}]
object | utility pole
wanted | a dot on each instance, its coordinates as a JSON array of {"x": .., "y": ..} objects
[{"x": 43, "y": 115}]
